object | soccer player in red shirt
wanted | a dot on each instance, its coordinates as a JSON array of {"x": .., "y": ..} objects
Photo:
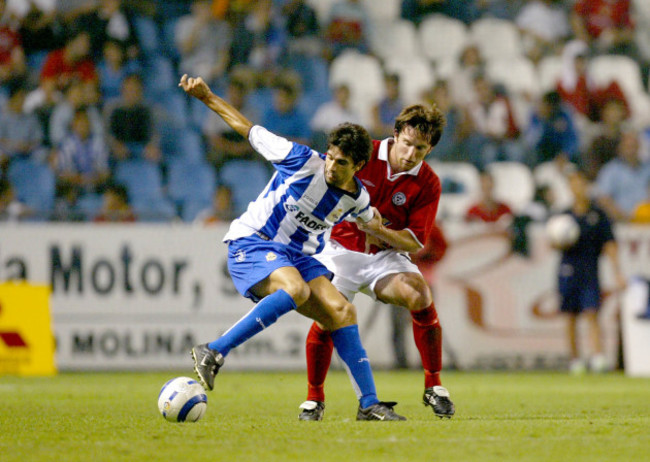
[{"x": 371, "y": 258}]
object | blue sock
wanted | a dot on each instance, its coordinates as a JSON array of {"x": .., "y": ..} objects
[
  {"x": 348, "y": 345},
  {"x": 265, "y": 313}
]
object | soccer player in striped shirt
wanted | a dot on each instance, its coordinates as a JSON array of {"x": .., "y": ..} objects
[
  {"x": 270, "y": 246},
  {"x": 373, "y": 257}
]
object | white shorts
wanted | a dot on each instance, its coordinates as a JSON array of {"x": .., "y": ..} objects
[{"x": 359, "y": 272}]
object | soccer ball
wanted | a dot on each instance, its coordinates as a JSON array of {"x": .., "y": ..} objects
[
  {"x": 562, "y": 230},
  {"x": 182, "y": 400}
]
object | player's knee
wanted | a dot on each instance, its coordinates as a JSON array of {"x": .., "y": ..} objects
[
  {"x": 416, "y": 295},
  {"x": 343, "y": 314},
  {"x": 299, "y": 291}
]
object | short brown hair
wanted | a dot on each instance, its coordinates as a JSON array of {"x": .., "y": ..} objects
[
  {"x": 353, "y": 140},
  {"x": 428, "y": 121}
]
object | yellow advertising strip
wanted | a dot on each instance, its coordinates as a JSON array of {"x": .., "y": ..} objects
[{"x": 26, "y": 337}]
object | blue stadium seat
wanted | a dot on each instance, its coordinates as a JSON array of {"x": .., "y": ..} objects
[
  {"x": 159, "y": 76},
  {"x": 191, "y": 186},
  {"x": 148, "y": 36},
  {"x": 246, "y": 179},
  {"x": 34, "y": 185},
  {"x": 143, "y": 181}
]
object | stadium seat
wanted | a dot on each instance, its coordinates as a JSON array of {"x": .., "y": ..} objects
[
  {"x": 148, "y": 36},
  {"x": 519, "y": 77},
  {"x": 625, "y": 71},
  {"x": 347, "y": 68},
  {"x": 442, "y": 38},
  {"x": 322, "y": 8},
  {"x": 496, "y": 38},
  {"x": 396, "y": 38},
  {"x": 143, "y": 181},
  {"x": 460, "y": 187},
  {"x": 513, "y": 184},
  {"x": 158, "y": 76},
  {"x": 383, "y": 11},
  {"x": 547, "y": 174},
  {"x": 246, "y": 180},
  {"x": 415, "y": 73},
  {"x": 190, "y": 185},
  {"x": 34, "y": 185},
  {"x": 549, "y": 71}
]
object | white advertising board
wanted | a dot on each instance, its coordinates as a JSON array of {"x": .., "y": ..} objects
[{"x": 139, "y": 296}]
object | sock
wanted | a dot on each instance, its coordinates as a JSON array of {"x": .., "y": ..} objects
[
  {"x": 319, "y": 347},
  {"x": 428, "y": 338},
  {"x": 265, "y": 313},
  {"x": 348, "y": 345}
]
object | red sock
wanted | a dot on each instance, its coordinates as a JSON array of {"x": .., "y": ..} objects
[
  {"x": 319, "y": 349},
  {"x": 428, "y": 338}
]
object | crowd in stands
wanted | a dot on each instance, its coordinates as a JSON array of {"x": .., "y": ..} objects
[{"x": 94, "y": 127}]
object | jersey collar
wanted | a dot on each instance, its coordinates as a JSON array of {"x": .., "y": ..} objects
[{"x": 382, "y": 154}]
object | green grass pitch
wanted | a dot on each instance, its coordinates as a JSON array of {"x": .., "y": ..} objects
[{"x": 253, "y": 417}]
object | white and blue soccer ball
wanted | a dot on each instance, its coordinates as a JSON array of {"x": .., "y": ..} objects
[
  {"x": 182, "y": 399},
  {"x": 562, "y": 230}
]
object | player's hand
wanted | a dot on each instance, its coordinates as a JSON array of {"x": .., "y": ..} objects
[
  {"x": 195, "y": 87},
  {"x": 372, "y": 226}
]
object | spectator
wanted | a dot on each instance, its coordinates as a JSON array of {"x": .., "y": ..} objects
[
  {"x": 621, "y": 183},
  {"x": 258, "y": 40},
  {"x": 604, "y": 145},
  {"x": 11, "y": 209},
  {"x": 130, "y": 124},
  {"x": 577, "y": 88},
  {"x": 494, "y": 130},
  {"x": 284, "y": 117},
  {"x": 224, "y": 143},
  {"x": 544, "y": 25},
  {"x": 203, "y": 42},
  {"x": 451, "y": 142},
  {"x": 82, "y": 161},
  {"x": 221, "y": 210},
  {"x": 109, "y": 20},
  {"x": 302, "y": 28},
  {"x": 604, "y": 25},
  {"x": 551, "y": 132},
  {"x": 330, "y": 114},
  {"x": 349, "y": 26},
  {"x": 417, "y": 10},
  {"x": 40, "y": 32},
  {"x": 488, "y": 209},
  {"x": 113, "y": 69},
  {"x": 641, "y": 212},
  {"x": 115, "y": 206},
  {"x": 471, "y": 64},
  {"x": 20, "y": 132},
  {"x": 387, "y": 109},
  {"x": 63, "y": 113},
  {"x": 70, "y": 62},
  {"x": 12, "y": 55}
]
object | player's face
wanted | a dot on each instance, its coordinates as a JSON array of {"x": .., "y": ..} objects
[
  {"x": 409, "y": 150},
  {"x": 340, "y": 169}
]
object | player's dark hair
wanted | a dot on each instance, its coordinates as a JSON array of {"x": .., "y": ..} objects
[
  {"x": 353, "y": 140},
  {"x": 427, "y": 121}
]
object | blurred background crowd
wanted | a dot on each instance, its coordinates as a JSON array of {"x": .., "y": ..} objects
[{"x": 94, "y": 128}]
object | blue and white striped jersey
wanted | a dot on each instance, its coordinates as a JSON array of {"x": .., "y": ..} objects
[{"x": 297, "y": 207}]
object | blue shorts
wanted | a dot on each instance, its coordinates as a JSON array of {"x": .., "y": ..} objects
[
  {"x": 252, "y": 259},
  {"x": 577, "y": 293}
]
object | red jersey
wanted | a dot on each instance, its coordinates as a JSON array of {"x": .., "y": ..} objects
[
  {"x": 407, "y": 200},
  {"x": 599, "y": 15},
  {"x": 479, "y": 212},
  {"x": 9, "y": 39},
  {"x": 56, "y": 67}
]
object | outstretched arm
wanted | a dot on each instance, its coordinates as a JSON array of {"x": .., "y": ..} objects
[{"x": 197, "y": 88}]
